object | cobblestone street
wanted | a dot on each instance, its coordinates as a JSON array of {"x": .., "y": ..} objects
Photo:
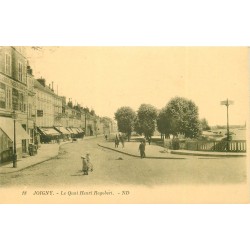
[{"x": 114, "y": 168}]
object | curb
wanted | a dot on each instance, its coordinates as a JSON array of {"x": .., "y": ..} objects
[
  {"x": 29, "y": 166},
  {"x": 137, "y": 156},
  {"x": 204, "y": 154},
  {"x": 39, "y": 162}
]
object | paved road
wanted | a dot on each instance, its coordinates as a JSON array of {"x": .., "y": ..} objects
[{"x": 110, "y": 170}]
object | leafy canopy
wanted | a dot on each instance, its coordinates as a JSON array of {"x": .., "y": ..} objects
[
  {"x": 180, "y": 116},
  {"x": 125, "y": 117},
  {"x": 145, "y": 121}
]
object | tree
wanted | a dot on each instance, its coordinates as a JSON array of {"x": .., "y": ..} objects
[
  {"x": 204, "y": 124},
  {"x": 137, "y": 126},
  {"x": 163, "y": 123},
  {"x": 145, "y": 122},
  {"x": 183, "y": 117},
  {"x": 125, "y": 117}
]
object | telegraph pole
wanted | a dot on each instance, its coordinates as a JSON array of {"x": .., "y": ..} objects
[
  {"x": 227, "y": 103},
  {"x": 14, "y": 142}
]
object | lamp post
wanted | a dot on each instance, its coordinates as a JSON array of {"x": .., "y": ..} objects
[
  {"x": 227, "y": 103},
  {"x": 14, "y": 152},
  {"x": 85, "y": 125}
]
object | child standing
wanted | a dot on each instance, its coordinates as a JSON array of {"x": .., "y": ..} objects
[
  {"x": 90, "y": 165},
  {"x": 85, "y": 166}
]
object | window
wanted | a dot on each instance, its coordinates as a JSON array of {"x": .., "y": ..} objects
[
  {"x": 20, "y": 72},
  {"x": 20, "y": 101},
  {"x": 8, "y": 98},
  {"x": 15, "y": 99},
  {"x": 7, "y": 64},
  {"x": 30, "y": 110},
  {"x": 2, "y": 96}
]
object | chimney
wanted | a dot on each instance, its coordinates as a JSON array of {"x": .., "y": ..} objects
[
  {"x": 29, "y": 70},
  {"x": 53, "y": 86},
  {"x": 41, "y": 81}
]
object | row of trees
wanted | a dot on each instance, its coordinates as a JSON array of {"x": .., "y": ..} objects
[{"x": 180, "y": 115}]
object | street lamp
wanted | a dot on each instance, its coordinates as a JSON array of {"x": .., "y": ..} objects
[
  {"x": 14, "y": 153},
  {"x": 227, "y": 103}
]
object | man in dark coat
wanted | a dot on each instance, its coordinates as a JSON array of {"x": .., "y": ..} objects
[
  {"x": 142, "y": 149},
  {"x": 121, "y": 139},
  {"x": 116, "y": 141}
]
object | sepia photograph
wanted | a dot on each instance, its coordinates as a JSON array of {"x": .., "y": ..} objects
[
  {"x": 128, "y": 124},
  {"x": 124, "y": 125}
]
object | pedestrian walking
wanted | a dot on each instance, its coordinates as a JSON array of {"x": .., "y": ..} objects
[
  {"x": 149, "y": 139},
  {"x": 142, "y": 149},
  {"x": 121, "y": 139},
  {"x": 116, "y": 141}
]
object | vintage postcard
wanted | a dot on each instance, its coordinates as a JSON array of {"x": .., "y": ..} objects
[{"x": 124, "y": 125}]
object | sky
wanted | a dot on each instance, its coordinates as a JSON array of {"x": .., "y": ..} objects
[{"x": 107, "y": 78}]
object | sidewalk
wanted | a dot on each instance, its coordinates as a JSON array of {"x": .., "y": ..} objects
[
  {"x": 45, "y": 153},
  {"x": 158, "y": 152},
  {"x": 132, "y": 149}
]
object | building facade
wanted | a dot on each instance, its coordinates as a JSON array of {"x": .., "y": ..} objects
[
  {"x": 31, "y": 112},
  {"x": 13, "y": 98},
  {"x": 31, "y": 107},
  {"x": 48, "y": 107}
]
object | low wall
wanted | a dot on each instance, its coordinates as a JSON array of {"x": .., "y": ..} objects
[{"x": 216, "y": 146}]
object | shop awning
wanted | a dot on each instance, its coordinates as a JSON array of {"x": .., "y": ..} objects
[
  {"x": 70, "y": 130},
  {"x": 49, "y": 131},
  {"x": 7, "y": 125},
  {"x": 80, "y": 130},
  {"x": 63, "y": 130},
  {"x": 75, "y": 131}
]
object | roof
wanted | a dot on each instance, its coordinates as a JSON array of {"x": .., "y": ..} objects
[{"x": 45, "y": 88}]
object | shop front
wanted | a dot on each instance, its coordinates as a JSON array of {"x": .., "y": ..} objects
[
  {"x": 65, "y": 134},
  {"x": 80, "y": 132},
  {"x": 7, "y": 139},
  {"x": 48, "y": 135},
  {"x": 73, "y": 132}
]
